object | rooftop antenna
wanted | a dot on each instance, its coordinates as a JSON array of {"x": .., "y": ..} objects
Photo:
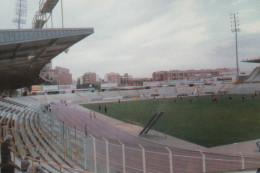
[
  {"x": 234, "y": 22},
  {"x": 21, "y": 12}
]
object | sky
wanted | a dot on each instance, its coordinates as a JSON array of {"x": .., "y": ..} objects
[{"x": 140, "y": 37}]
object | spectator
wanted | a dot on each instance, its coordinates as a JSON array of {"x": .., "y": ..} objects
[
  {"x": 258, "y": 170},
  {"x": 214, "y": 99},
  {"x": 243, "y": 98},
  {"x": 25, "y": 163},
  {"x": 105, "y": 109},
  {"x": 86, "y": 132},
  {"x": 90, "y": 115},
  {"x": 37, "y": 167},
  {"x": 7, "y": 165},
  {"x": 258, "y": 144}
]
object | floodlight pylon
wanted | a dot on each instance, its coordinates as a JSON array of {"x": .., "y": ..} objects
[
  {"x": 234, "y": 21},
  {"x": 20, "y": 13}
]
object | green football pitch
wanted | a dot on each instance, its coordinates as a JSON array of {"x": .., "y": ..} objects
[{"x": 201, "y": 121}]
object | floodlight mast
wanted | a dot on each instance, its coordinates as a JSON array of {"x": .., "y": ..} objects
[
  {"x": 21, "y": 12},
  {"x": 62, "y": 21},
  {"x": 234, "y": 21}
]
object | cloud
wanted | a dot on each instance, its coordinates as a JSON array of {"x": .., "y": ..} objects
[
  {"x": 193, "y": 35},
  {"x": 238, "y": 2},
  {"x": 251, "y": 28},
  {"x": 143, "y": 36}
]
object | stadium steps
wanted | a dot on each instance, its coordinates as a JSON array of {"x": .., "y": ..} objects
[
  {"x": 100, "y": 94},
  {"x": 13, "y": 103},
  {"x": 201, "y": 89},
  {"x": 119, "y": 93},
  {"x": 195, "y": 90},
  {"x": 82, "y": 98},
  {"x": 176, "y": 90},
  {"x": 46, "y": 152},
  {"x": 221, "y": 89},
  {"x": 12, "y": 120},
  {"x": 34, "y": 98},
  {"x": 254, "y": 76},
  {"x": 18, "y": 136},
  {"x": 156, "y": 90},
  {"x": 58, "y": 145},
  {"x": 32, "y": 143},
  {"x": 63, "y": 158},
  {"x": 20, "y": 145},
  {"x": 55, "y": 97}
]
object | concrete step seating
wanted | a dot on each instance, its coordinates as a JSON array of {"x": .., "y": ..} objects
[
  {"x": 67, "y": 147},
  {"x": 22, "y": 123}
]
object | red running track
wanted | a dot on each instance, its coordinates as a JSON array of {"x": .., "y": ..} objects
[{"x": 157, "y": 157}]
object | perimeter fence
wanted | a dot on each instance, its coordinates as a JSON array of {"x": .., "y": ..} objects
[{"x": 97, "y": 154}]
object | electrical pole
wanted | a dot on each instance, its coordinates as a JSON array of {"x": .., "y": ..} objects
[{"x": 235, "y": 28}]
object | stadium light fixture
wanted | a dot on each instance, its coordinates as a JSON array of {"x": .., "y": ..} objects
[
  {"x": 234, "y": 22},
  {"x": 21, "y": 13}
]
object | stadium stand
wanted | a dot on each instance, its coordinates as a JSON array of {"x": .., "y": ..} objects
[
  {"x": 245, "y": 88},
  {"x": 109, "y": 95},
  {"x": 211, "y": 89},
  {"x": 183, "y": 90},
  {"x": 130, "y": 93},
  {"x": 90, "y": 96},
  {"x": 59, "y": 144},
  {"x": 23, "y": 123},
  {"x": 167, "y": 91},
  {"x": 147, "y": 92},
  {"x": 254, "y": 77}
]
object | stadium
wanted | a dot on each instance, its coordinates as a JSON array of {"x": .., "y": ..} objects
[{"x": 71, "y": 138}]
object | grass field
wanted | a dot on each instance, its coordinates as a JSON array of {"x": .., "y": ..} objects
[{"x": 202, "y": 121}]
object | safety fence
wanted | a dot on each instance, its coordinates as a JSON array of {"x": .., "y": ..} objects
[
  {"x": 36, "y": 131},
  {"x": 97, "y": 154},
  {"x": 32, "y": 161}
]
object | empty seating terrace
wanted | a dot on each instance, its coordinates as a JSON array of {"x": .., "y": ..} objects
[
  {"x": 81, "y": 97},
  {"x": 24, "y": 124},
  {"x": 60, "y": 138}
]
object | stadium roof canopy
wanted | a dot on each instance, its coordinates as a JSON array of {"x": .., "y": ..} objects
[
  {"x": 257, "y": 60},
  {"x": 23, "y": 53}
]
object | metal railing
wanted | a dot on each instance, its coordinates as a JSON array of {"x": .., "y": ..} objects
[
  {"x": 45, "y": 136},
  {"x": 60, "y": 167},
  {"x": 103, "y": 155}
]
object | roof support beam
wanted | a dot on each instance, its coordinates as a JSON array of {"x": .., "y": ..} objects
[{"x": 14, "y": 52}]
